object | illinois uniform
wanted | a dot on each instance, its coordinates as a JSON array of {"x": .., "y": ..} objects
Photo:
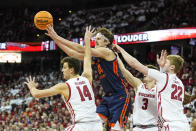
[{"x": 116, "y": 102}]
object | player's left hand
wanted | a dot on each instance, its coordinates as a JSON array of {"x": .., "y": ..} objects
[
  {"x": 31, "y": 82},
  {"x": 89, "y": 32}
]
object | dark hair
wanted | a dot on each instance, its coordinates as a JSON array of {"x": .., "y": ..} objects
[
  {"x": 108, "y": 34},
  {"x": 72, "y": 63}
]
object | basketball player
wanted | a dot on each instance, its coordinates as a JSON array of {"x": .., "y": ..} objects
[
  {"x": 145, "y": 114},
  {"x": 77, "y": 91},
  {"x": 161, "y": 62},
  {"x": 116, "y": 102},
  {"x": 170, "y": 90}
]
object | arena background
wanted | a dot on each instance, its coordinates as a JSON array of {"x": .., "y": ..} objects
[{"x": 19, "y": 111}]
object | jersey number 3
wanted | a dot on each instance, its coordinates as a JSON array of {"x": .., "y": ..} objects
[
  {"x": 175, "y": 95},
  {"x": 145, "y": 103},
  {"x": 85, "y": 92}
]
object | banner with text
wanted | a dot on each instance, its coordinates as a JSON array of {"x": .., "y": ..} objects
[{"x": 157, "y": 35}]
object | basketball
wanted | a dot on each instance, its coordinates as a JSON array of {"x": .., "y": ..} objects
[{"x": 42, "y": 19}]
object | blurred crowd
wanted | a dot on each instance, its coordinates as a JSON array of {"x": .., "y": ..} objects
[{"x": 124, "y": 18}]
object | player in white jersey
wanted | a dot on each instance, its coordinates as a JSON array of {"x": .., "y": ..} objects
[
  {"x": 77, "y": 91},
  {"x": 145, "y": 114},
  {"x": 170, "y": 90}
]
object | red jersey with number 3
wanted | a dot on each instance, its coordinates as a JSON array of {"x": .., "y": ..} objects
[
  {"x": 81, "y": 101},
  {"x": 170, "y": 96},
  {"x": 145, "y": 106}
]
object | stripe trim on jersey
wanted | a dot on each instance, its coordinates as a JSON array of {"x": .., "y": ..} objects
[
  {"x": 72, "y": 112},
  {"x": 70, "y": 107},
  {"x": 167, "y": 78},
  {"x": 160, "y": 109},
  {"x": 115, "y": 67},
  {"x": 122, "y": 116},
  {"x": 69, "y": 91}
]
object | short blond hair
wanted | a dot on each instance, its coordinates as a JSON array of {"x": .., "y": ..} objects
[{"x": 177, "y": 61}]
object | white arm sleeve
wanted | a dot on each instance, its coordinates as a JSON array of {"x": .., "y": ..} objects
[{"x": 161, "y": 78}]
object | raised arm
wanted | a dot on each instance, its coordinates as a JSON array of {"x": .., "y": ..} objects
[
  {"x": 87, "y": 69},
  {"x": 60, "y": 40},
  {"x": 134, "y": 63},
  {"x": 55, "y": 90},
  {"x": 133, "y": 81},
  {"x": 71, "y": 52},
  {"x": 63, "y": 43}
]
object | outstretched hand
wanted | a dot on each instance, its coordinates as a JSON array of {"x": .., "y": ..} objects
[
  {"x": 116, "y": 47},
  {"x": 162, "y": 59},
  {"x": 89, "y": 32},
  {"x": 51, "y": 32},
  {"x": 31, "y": 83}
]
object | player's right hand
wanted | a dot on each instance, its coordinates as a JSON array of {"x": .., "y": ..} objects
[
  {"x": 162, "y": 59},
  {"x": 116, "y": 47},
  {"x": 51, "y": 32}
]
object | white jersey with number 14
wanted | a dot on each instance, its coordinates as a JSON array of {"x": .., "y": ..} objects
[{"x": 81, "y": 102}]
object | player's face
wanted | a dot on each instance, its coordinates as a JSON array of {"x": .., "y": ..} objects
[
  {"x": 167, "y": 66},
  {"x": 100, "y": 41},
  {"x": 66, "y": 71}
]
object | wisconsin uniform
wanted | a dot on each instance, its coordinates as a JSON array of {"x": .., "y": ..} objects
[
  {"x": 145, "y": 113},
  {"x": 116, "y": 102},
  {"x": 81, "y": 105},
  {"x": 170, "y": 98}
]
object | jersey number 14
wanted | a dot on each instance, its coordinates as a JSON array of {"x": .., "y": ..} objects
[{"x": 84, "y": 93}]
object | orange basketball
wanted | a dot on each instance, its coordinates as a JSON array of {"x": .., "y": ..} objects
[{"x": 42, "y": 19}]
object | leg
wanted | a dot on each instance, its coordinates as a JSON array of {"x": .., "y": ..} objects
[{"x": 119, "y": 111}]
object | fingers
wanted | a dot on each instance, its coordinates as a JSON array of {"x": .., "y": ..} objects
[
  {"x": 162, "y": 51},
  {"x": 89, "y": 28},
  {"x": 165, "y": 53},
  {"x": 93, "y": 30},
  {"x": 27, "y": 79},
  {"x": 33, "y": 78},
  {"x": 30, "y": 78},
  {"x": 157, "y": 57},
  {"x": 47, "y": 34}
]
